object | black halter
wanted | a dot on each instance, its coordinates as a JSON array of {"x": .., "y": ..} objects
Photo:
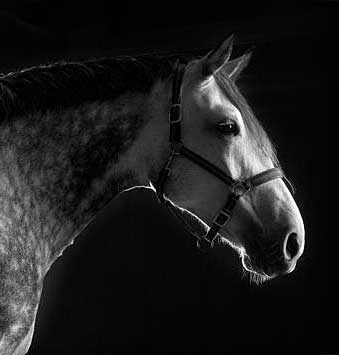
[{"x": 237, "y": 187}]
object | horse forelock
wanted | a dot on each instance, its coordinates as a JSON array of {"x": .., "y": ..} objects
[{"x": 254, "y": 127}]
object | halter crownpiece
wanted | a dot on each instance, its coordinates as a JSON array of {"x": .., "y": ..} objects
[{"x": 237, "y": 187}]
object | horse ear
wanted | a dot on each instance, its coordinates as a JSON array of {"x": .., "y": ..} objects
[
  {"x": 234, "y": 67},
  {"x": 217, "y": 57}
]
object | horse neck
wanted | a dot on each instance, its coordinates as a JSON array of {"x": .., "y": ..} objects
[{"x": 59, "y": 169}]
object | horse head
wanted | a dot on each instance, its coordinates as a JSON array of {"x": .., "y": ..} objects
[{"x": 265, "y": 227}]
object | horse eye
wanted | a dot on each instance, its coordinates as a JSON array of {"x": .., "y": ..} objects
[{"x": 228, "y": 128}]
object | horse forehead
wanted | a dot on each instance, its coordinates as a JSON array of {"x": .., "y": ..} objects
[{"x": 210, "y": 96}]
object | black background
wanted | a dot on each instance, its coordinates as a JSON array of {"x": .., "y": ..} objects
[{"x": 133, "y": 282}]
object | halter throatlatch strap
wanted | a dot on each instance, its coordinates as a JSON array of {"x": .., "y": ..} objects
[{"x": 237, "y": 187}]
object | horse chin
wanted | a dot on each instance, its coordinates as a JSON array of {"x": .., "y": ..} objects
[{"x": 254, "y": 274}]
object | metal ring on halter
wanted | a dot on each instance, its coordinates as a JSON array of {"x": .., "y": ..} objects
[{"x": 240, "y": 187}]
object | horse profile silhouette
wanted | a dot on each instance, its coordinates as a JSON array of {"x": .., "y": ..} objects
[{"x": 75, "y": 135}]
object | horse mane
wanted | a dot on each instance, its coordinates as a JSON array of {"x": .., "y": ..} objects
[{"x": 66, "y": 84}]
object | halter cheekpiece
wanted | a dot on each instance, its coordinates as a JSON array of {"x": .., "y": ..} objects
[{"x": 237, "y": 187}]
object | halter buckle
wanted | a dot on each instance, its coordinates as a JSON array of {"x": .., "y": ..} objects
[
  {"x": 174, "y": 114},
  {"x": 221, "y": 218},
  {"x": 240, "y": 187}
]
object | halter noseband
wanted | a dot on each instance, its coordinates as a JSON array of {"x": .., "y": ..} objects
[{"x": 237, "y": 187}]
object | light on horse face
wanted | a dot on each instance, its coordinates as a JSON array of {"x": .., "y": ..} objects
[{"x": 265, "y": 250}]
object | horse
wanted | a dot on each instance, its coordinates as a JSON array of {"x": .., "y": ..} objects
[{"x": 75, "y": 135}]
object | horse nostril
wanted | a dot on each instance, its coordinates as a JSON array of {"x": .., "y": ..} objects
[{"x": 292, "y": 246}]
